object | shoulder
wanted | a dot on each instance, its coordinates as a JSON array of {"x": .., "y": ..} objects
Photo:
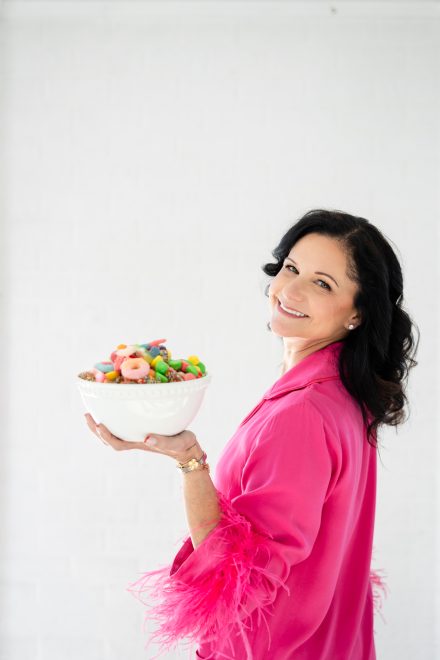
[
  {"x": 296, "y": 407},
  {"x": 303, "y": 417},
  {"x": 293, "y": 415},
  {"x": 328, "y": 400}
]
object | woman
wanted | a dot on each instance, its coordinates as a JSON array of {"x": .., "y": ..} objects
[{"x": 277, "y": 561}]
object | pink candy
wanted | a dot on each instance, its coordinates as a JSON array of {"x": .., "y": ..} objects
[
  {"x": 119, "y": 359},
  {"x": 135, "y": 368},
  {"x": 99, "y": 375}
]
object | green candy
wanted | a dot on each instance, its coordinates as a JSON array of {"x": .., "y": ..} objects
[
  {"x": 191, "y": 368},
  {"x": 175, "y": 364},
  {"x": 161, "y": 367},
  {"x": 202, "y": 367},
  {"x": 161, "y": 377}
]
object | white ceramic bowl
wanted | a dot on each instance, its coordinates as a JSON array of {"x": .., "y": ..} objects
[{"x": 131, "y": 411}]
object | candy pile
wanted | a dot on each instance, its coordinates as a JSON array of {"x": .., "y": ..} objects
[{"x": 144, "y": 363}]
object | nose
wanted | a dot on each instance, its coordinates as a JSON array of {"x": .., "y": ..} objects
[{"x": 292, "y": 292}]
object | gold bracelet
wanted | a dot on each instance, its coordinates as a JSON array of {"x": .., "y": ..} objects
[
  {"x": 194, "y": 464},
  {"x": 196, "y": 467}
]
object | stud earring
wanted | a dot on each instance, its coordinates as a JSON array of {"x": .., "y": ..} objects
[{"x": 350, "y": 327}]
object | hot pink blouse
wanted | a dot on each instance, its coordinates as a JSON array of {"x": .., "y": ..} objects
[{"x": 286, "y": 574}]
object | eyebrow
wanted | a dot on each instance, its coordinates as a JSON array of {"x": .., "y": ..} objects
[{"x": 317, "y": 272}]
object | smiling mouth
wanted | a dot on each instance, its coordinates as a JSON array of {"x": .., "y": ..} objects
[{"x": 297, "y": 315}]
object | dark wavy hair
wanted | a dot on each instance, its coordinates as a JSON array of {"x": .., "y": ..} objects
[{"x": 377, "y": 355}]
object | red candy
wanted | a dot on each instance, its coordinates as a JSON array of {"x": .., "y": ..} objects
[
  {"x": 119, "y": 359},
  {"x": 156, "y": 342}
]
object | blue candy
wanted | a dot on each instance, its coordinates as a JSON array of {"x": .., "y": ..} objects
[{"x": 105, "y": 368}]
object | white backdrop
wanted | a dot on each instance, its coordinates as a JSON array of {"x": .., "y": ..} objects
[{"x": 153, "y": 154}]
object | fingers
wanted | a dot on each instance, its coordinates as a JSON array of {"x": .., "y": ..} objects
[
  {"x": 100, "y": 430},
  {"x": 156, "y": 443},
  {"x": 111, "y": 440},
  {"x": 153, "y": 443},
  {"x": 89, "y": 419},
  {"x": 94, "y": 427},
  {"x": 108, "y": 437}
]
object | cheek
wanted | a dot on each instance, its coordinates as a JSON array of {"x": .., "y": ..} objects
[
  {"x": 326, "y": 304},
  {"x": 273, "y": 288},
  {"x": 334, "y": 311},
  {"x": 324, "y": 308}
]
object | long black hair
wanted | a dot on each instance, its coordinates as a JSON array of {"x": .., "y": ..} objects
[{"x": 377, "y": 355}]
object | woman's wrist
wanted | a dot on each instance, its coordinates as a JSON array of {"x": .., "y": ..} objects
[{"x": 195, "y": 451}]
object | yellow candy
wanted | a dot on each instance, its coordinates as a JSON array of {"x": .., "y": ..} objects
[
  {"x": 169, "y": 353},
  {"x": 193, "y": 359},
  {"x": 121, "y": 346},
  {"x": 111, "y": 375},
  {"x": 158, "y": 358}
]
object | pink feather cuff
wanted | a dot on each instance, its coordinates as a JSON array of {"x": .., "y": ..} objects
[
  {"x": 378, "y": 585},
  {"x": 209, "y": 592}
]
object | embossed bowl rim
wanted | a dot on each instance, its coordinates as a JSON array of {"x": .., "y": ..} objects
[{"x": 143, "y": 390}]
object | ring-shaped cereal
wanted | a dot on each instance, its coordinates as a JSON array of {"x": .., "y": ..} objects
[
  {"x": 128, "y": 350},
  {"x": 135, "y": 368},
  {"x": 105, "y": 367}
]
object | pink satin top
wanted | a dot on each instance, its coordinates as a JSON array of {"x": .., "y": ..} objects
[{"x": 286, "y": 574}]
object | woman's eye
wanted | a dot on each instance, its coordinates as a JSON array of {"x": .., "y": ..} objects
[{"x": 327, "y": 286}]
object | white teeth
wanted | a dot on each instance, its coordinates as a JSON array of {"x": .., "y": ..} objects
[{"x": 289, "y": 311}]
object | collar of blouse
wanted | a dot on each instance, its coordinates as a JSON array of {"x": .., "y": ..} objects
[{"x": 316, "y": 367}]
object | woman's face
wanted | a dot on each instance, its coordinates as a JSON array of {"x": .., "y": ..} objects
[{"x": 326, "y": 299}]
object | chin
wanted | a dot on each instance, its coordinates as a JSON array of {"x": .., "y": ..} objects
[{"x": 279, "y": 328}]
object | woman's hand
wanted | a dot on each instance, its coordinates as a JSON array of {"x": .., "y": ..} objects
[{"x": 182, "y": 446}]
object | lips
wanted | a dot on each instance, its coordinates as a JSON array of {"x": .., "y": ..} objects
[{"x": 290, "y": 308}]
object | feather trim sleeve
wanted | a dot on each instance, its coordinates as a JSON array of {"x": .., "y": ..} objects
[{"x": 210, "y": 592}]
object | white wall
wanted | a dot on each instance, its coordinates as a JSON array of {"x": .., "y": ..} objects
[{"x": 152, "y": 156}]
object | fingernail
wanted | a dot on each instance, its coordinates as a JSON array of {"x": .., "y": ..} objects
[{"x": 150, "y": 441}]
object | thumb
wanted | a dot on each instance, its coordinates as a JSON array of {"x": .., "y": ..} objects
[{"x": 151, "y": 441}]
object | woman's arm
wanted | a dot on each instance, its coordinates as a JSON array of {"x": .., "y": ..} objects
[
  {"x": 201, "y": 503},
  {"x": 233, "y": 576}
]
